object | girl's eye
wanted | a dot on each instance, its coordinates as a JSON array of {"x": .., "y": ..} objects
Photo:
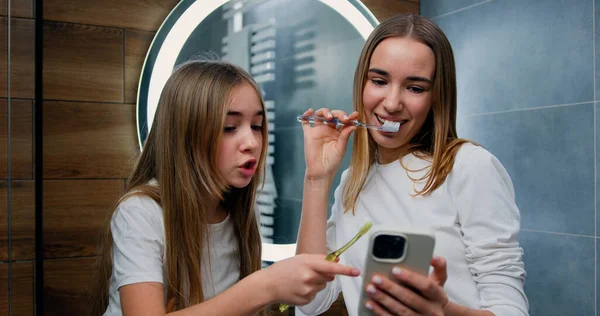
[
  {"x": 257, "y": 128},
  {"x": 228, "y": 129},
  {"x": 416, "y": 89},
  {"x": 378, "y": 82}
]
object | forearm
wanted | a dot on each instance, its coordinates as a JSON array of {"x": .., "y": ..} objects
[
  {"x": 311, "y": 234},
  {"x": 254, "y": 291},
  {"x": 453, "y": 309}
]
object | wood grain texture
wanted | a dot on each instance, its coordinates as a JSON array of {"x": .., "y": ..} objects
[
  {"x": 89, "y": 140},
  {"x": 140, "y": 14},
  {"x": 22, "y": 220},
  {"x": 19, "y": 8},
  {"x": 22, "y": 58},
  {"x": 75, "y": 213},
  {"x": 67, "y": 286},
  {"x": 384, "y": 9},
  {"x": 337, "y": 308},
  {"x": 22, "y": 288},
  {"x": 83, "y": 62},
  {"x": 21, "y": 139},
  {"x": 136, "y": 48}
]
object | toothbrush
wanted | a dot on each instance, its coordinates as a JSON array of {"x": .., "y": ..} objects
[
  {"x": 335, "y": 254},
  {"x": 389, "y": 127}
]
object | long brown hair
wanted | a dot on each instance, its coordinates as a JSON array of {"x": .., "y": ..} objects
[
  {"x": 180, "y": 153},
  {"x": 437, "y": 138}
]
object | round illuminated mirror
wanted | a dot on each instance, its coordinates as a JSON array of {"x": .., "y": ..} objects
[{"x": 302, "y": 53}]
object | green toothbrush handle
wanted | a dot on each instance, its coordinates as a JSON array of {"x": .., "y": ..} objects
[
  {"x": 333, "y": 255},
  {"x": 330, "y": 257},
  {"x": 283, "y": 307}
]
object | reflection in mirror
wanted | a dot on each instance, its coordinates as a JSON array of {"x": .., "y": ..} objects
[{"x": 301, "y": 53}]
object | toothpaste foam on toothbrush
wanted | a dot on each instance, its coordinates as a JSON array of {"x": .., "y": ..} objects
[{"x": 390, "y": 127}]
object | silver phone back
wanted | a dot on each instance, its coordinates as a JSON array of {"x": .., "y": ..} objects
[{"x": 417, "y": 257}]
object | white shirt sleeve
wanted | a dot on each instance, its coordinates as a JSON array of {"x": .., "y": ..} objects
[
  {"x": 326, "y": 297},
  {"x": 490, "y": 222},
  {"x": 138, "y": 242}
]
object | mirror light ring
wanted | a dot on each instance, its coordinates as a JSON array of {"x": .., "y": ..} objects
[{"x": 170, "y": 39}]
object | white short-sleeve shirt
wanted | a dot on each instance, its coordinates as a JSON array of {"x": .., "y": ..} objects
[{"x": 139, "y": 253}]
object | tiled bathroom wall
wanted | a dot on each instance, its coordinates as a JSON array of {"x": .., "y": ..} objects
[{"x": 527, "y": 92}]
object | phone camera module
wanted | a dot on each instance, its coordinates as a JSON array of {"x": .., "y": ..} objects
[{"x": 389, "y": 246}]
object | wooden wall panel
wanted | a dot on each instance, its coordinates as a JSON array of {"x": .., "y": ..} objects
[
  {"x": 139, "y": 14},
  {"x": 22, "y": 58},
  {"x": 19, "y": 8},
  {"x": 22, "y": 220},
  {"x": 337, "y": 308},
  {"x": 22, "y": 294},
  {"x": 75, "y": 211},
  {"x": 89, "y": 140},
  {"x": 383, "y": 9},
  {"x": 21, "y": 139},
  {"x": 67, "y": 285},
  {"x": 83, "y": 62},
  {"x": 136, "y": 47}
]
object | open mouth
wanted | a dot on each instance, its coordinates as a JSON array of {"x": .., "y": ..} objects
[{"x": 250, "y": 164}]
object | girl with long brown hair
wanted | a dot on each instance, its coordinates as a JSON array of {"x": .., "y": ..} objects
[
  {"x": 423, "y": 175},
  {"x": 184, "y": 239}
]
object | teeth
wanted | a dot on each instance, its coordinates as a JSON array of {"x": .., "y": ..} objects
[
  {"x": 390, "y": 123},
  {"x": 388, "y": 126},
  {"x": 384, "y": 121}
]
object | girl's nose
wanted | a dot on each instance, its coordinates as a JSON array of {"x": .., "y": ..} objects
[
  {"x": 250, "y": 142},
  {"x": 393, "y": 102}
]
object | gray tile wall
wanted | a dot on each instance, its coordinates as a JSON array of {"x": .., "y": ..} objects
[{"x": 527, "y": 91}]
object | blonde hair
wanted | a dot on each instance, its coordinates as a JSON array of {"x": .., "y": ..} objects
[
  {"x": 437, "y": 138},
  {"x": 181, "y": 153}
]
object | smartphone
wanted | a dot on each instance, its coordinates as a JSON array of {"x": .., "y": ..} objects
[{"x": 390, "y": 247}]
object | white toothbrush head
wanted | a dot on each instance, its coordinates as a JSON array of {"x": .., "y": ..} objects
[{"x": 390, "y": 127}]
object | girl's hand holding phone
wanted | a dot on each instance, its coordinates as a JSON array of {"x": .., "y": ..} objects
[{"x": 397, "y": 297}]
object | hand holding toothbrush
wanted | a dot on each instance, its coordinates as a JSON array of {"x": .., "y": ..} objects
[{"x": 325, "y": 144}]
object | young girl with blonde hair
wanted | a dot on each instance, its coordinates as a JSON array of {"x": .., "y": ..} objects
[
  {"x": 184, "y": 239},
  {"x": 423, "y": 175}
]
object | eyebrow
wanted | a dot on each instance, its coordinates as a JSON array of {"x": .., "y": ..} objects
[
  {"x": 411, "y": 78},
  {"x": 236, "y": 113},
  {"x": 379, "y": 71},
  {"x": 417, "y": 78}
]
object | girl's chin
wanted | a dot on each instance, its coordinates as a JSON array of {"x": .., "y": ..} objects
[
  {"x": 238, "y": 186},
  {"x": 389, "y": 144}
]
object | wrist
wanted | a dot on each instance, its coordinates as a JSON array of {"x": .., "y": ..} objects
[
  {"x": 264, "y": 286},
  {"x": 452, "y": 308},
  {"x": 318, "y": 183}
]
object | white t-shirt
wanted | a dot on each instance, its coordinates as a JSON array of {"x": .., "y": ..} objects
[
  {"x": 139, "y": 253},
  {"x": 473, "y": 215}
]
